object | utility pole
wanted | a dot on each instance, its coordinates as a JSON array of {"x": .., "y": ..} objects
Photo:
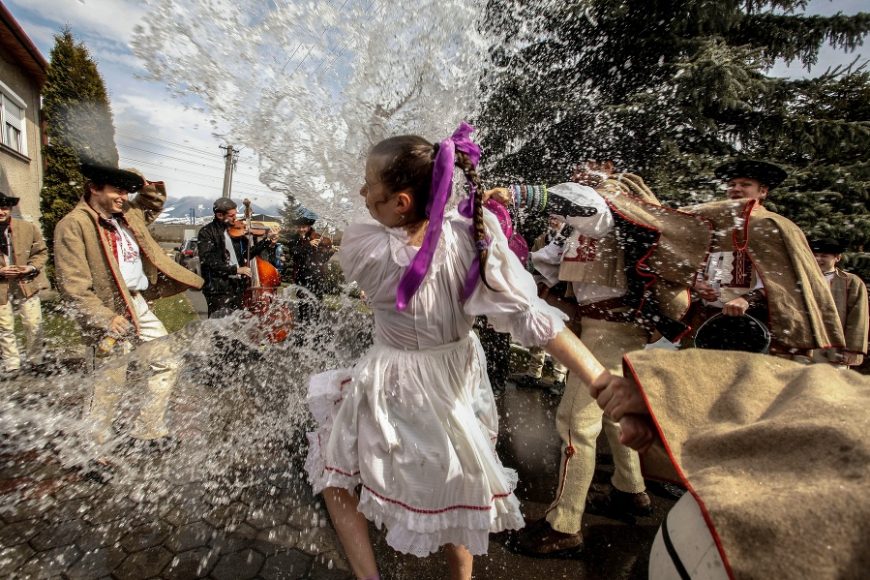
[{"x": 230, "y": 164}]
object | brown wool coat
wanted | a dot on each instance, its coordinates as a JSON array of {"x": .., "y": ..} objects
[
  {"x": 775, "y": 452},
  {"x": 28, "y": 249},
  {"x": 850, "y": 296},
  {"x": 88, "y": 275}
]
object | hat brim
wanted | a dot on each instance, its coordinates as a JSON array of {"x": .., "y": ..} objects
[
  {"x": 7, "y": 201},
  {"x": 120, "y": 178},
  {"x": 826, "y": 247},
  {"x": 766, "y": 173}
]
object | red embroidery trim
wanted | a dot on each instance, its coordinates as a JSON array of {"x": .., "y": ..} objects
[{"x": 439, "y": 511}]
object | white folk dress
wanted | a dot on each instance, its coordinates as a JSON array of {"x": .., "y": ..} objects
[{"x": 414, "y": 422}]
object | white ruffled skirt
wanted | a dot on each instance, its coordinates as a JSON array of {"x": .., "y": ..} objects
[{"x": 417, "y": 430}]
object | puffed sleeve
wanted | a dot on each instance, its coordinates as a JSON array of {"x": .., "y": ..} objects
[
  {"x": 513, "y": 304},
  {"x": 364, "y": 254}
]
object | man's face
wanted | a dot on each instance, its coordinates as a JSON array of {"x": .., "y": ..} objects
[
  {"x": 827, "y": 262},
  {"x": 554, "y": 222},
  {"x": 227, "y": 217},
  {"x": 302, "y": 230},
  {"x": 5, "y": 213},
  {"x": 108, "y": 199},
  {"x": 746, "y": 188}
]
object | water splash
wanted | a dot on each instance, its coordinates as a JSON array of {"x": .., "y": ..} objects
[
  {"x": 237, "y": 409},
  {"x": 310, "y": 86}
]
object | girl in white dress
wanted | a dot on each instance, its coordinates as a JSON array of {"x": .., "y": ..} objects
[{"x": 413, "y": 424}]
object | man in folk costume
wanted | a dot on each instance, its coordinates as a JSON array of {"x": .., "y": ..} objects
[
  {"x": 850, "y": 297},
  {"x": 225, "y": 260},
  {"x": 629, "y": 263},
  {"x": 23, "y": 255},
  {"x": 108, "y": 268},
  {"x": 545, "y": 257},
  {"x": 760, "y": 263}
]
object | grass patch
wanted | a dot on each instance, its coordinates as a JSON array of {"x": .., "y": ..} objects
[{"x": 175, "y": 312}]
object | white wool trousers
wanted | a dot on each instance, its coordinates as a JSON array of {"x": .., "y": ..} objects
[
  {"x": 579, "y": 420},
  {"x": 30, "y": 311},
  {"x": 115, "y": 380}
]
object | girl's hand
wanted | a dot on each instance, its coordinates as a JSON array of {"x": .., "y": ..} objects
[
  {"x": 618, "y": 396},
  {"x": 500, "y": 194}
]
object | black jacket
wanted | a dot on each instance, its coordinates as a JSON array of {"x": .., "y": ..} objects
[{"x": 214, "y": 259}]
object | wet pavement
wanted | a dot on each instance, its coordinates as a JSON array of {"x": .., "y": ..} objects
[{"x": 262, "y": 522}]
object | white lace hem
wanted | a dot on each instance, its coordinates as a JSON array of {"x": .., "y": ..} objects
[{"x": 420, "y": 534}]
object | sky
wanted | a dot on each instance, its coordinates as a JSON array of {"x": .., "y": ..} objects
[{"x": 173, "y": 139}]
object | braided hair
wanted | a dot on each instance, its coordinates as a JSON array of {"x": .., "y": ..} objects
[{"x": 478, "y": 228}]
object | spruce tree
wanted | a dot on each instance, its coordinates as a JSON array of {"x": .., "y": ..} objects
[
  {"x": 79, "y": 127},
  {"x": 669, "y": 89}
]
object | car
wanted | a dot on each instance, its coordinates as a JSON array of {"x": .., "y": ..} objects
[{"x": 187, "y": 255}]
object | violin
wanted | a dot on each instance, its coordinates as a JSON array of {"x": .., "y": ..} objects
[
  {"x": 325, "y": 242},
  {"x": 240, "y": 229}
]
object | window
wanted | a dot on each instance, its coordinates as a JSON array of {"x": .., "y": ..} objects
[{"x": 12, "y": 120}]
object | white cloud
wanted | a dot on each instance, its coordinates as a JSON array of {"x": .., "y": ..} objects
[
  {"x": 178, "y": 144},
  {"x": 113, "y": 19}
]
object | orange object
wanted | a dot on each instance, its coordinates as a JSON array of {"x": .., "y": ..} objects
[{"x": 261, "y": 297}]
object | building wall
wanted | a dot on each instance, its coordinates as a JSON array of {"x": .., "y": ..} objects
[{"x": 19, "y": 175}]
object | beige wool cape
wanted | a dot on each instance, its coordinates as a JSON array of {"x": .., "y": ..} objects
[
  {"x": 775, "y": 453},
  {"x": 680, "y": 248},
  {"x": 801, "y": 310}
]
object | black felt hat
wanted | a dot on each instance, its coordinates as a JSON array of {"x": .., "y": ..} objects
[
  {"x": 303, "y": 217},
  {"x": 121, "y": 178},
  {"x": 766, "y": 173},
  {"x": 827, "y": 246},
  {"x": 7, "y": 200},
  {"x": 745, "y": 333}
]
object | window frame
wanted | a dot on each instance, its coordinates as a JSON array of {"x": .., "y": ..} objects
[{"x": 8, "y": 94}]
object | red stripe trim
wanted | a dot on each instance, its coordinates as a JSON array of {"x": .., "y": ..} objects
[
  {"x": 439, "y": 511},
  {"x": 683, "y": 479},
  {"x": 564, "y": 477},
  {"x": 341, "y": 471}
]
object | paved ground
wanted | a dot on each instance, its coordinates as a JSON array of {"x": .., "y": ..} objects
[
  {"x": 263, "y": 522},
  {"x": 234, "y": 504}
]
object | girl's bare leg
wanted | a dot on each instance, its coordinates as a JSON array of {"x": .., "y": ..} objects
[
  {"x": 353, "y": 531},
  {"x": 459, "y": 562}
]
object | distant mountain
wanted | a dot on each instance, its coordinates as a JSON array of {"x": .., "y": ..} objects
[{"x": 179, "y": 209}]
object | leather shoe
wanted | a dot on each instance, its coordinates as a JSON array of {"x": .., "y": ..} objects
[
  {"x": 539, "y": 539},
  {"x": 620, "y": 504}
]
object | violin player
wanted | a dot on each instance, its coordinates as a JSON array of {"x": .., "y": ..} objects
[
  {"x": 224, "y": 255},
  {"x": 309, "y": 253}
]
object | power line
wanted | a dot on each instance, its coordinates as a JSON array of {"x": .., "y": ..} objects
[
  {"x": 183, "y": 161},
  {"x": 182, "y": 145},
  {"x": 186, "y": 172},
  {"x": 172, "y": 147}
]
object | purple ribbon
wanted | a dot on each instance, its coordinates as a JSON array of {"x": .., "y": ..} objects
[{"x": 442, "y": 185}]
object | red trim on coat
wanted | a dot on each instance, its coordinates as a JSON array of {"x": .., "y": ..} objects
[
  {"x": 131, "y": 313},
  {"x": 651, "y": 277},
  {"x": 627, "y": 366}
]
